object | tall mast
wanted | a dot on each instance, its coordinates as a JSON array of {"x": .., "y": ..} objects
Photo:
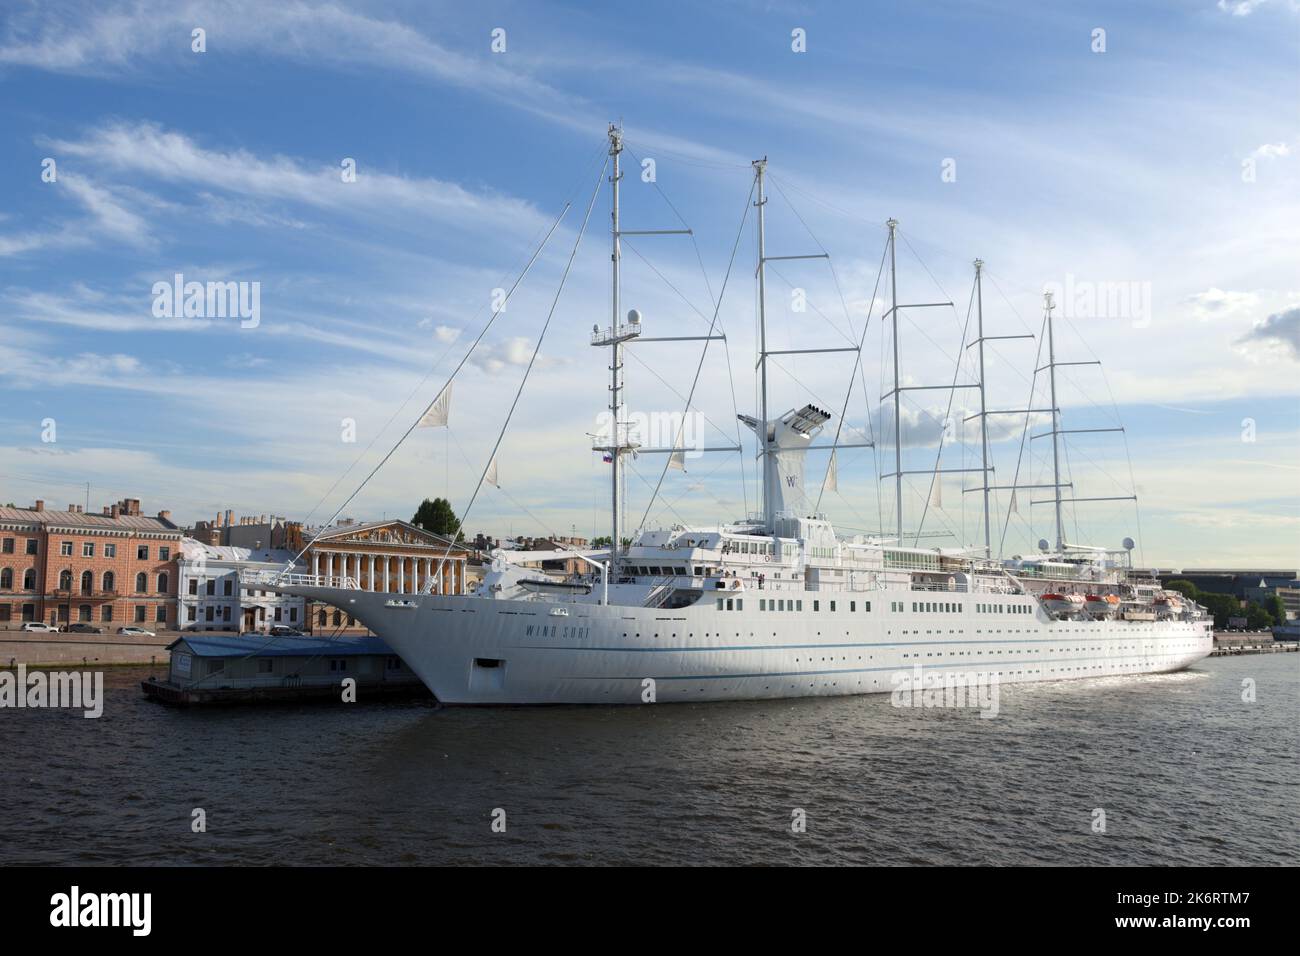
[
  {"x": 769, "y": 519},
  {"x": 616, "y": 357},
  {"x": 898, "y": 426},
  {"x": 984, "y": 420},
  {"x": 1048, "y": 305}
]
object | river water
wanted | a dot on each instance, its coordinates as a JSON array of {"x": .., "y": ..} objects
[{"x": 1184, "y": 770}]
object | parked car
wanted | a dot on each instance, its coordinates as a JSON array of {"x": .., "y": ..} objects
[
  {"x": 40, "y": 627},
  {"x": 80, "y": 628},
  {"x": 284, "y": 630},
  {"x": 132, "y": 631}
]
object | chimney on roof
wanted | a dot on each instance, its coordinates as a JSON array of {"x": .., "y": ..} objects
[
  {"x": 229, "y": 516},
  {"x": 39, "y": 506},
  {"x": 165, "y": 515},
  {"x": 112, "y": 511}
]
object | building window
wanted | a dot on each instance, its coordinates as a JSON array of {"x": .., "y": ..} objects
[
  {"x": 142, "y": 552},
  {"x": 106, "y": 612},
  {"x": 110, "y": 581},
  {"x": 338, "y": 664},
  {"x": 29, "y": 612},
  {"x": 7, "y": 578},
  {"x": 141, "y": 582},
  {"x": 87, "y": 582},
  {"x": 163, "y": 581},
  {"x": 191, "y": 613},
  {"x": 160, "y": 614},
  {"x": 31, "y": 545},
  {"x": 229, "y": 587},
  {"x": 293, "y": 614},
  {"x": 139, "y": 614},
  {"x": 4, "y": 613},
  {"x": 164, "y": 554},
  {"x": 87, "y": 549},
  {"x": 211, "y": 587},
  {"x": 8, "y": 546},
  {"x": 277, "y": 614},
  {"x": 225, "y": 613},
  {"x": 110, "y": 550},
  {"x": 29, "y": 579},
  {"x": 194, "y": 586},
  {"x": 65, "y": 548},
  {"x": 65, "y": 580},
  {"x": 208, "y": 612},
  {"x": 83, "y": 612}
]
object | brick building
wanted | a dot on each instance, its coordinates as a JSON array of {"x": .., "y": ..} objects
[{"x": 109, "y": 569}]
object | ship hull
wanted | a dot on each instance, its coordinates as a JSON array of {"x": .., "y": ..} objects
[{"x": 470, "y": 650}]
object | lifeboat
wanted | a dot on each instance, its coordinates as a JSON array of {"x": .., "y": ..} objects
[
  {"x": 1101, "y": 605},
  {"x": 1062, "y": 603}
]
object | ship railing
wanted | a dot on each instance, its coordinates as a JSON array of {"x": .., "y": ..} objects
[{"x": 280, "y": 578}]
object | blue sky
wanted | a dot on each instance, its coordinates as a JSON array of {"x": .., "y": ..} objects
[{"x": 1167, "y": 164}]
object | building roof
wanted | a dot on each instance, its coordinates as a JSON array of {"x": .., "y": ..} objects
[
  {"x": 87, "y": 520},
  {"x": 192, "y": 549},
  {"x": 261, "y": 645},
  {"x": 316, "y": 535}
]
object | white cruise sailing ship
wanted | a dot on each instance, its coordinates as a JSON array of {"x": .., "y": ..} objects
[{"x": 776, "y": 604}]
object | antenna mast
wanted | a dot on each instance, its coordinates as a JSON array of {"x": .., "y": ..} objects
[
  {"x": 769, "y": 519},
  {"x": 1048, "y": 306},
  {"x": 898, "y": 424},
  {"x": 984, "y": 419}
]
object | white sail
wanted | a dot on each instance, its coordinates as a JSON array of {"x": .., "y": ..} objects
[{"x": 438, "y": 414}]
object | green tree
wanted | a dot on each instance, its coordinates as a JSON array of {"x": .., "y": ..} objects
[
  {"x": 437, "y": 516},
  {"x": 1276, "y": 609},
  {"x": 1222, "y": 606},
  {"x": 1186, "y": 588},
  {"x": 1257, "y": 618}
]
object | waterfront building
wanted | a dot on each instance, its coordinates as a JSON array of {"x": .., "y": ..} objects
[
  {"x": 110, "y": 569},
  {"x": 392, "y": 556},
  {"x": 211, "y": 597}
]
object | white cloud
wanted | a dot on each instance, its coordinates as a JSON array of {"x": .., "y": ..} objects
[{"x": 1241, "y": 8}]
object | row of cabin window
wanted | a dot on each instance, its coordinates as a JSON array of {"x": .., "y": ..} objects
[
  {"x": 1004, "y": 609},
  {"x": 936, "y": 607},
  {"x": 108, "y": 582},
  {"x": 777, "y": 604}
]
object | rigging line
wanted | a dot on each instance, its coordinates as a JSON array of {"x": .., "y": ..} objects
[
  {"x": 857, "y": 365},
  {"x": 701, "y": 479},
  {"x": 1015, "y": 480},
  {"x": 827, "y": 319},
  {"x": 541, "y": 336},
  {"x": 701, "y": 163},
  {"x": 670, "y": 388},
  {"x": 465, "y": 358},
  {"x": 668, "y": 505},
  {"x": 427, "y": 375},
  {"x": 511, "y": 498},
  {"x": 726, "y": 345},
  {"x": 936, "y": 475},
  {"x": 703, "y": 352}
]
